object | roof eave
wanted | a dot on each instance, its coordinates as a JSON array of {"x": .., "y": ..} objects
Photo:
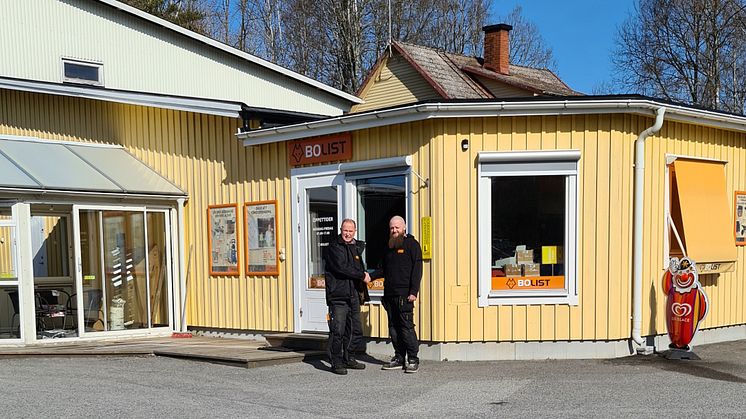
[{"x": 550, "y": 106}]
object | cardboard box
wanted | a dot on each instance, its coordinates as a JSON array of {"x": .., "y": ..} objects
[
  {"x": 524, "y": 256},
  {"x": 512, "y": 270},
  {"x": 531, "y": 269}
]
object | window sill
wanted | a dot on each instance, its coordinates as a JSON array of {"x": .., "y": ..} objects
[{"x": 491, "y": 300}]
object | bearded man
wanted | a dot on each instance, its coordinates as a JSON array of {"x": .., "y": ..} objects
[{"x": 401, "y": 269}]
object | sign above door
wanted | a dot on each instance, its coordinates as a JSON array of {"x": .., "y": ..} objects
[{"x": 322, "y": 149}]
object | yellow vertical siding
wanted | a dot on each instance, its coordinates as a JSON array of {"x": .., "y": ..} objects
[
  {"x": 201, "y": 155},
  {"x": 726, "y": 291},
  {"x": 395, "y": 82}
]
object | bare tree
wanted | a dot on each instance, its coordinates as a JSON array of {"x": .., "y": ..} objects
[
  {"x": 527, "y": 46},
  {"x": 689, "y": 51},
  {"x": 186, "y": 13}
]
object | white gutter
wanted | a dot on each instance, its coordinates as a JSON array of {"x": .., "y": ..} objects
[
  {"x": 178, "y": 103},
  {"x": 182, "y": 268},
  {"x": 637, "y": 244},
  {"x": 423, "y": 111}
]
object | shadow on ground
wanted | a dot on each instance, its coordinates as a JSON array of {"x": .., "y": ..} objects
[{"x": 713, "y": 370}]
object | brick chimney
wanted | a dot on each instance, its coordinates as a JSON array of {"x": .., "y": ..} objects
[{"x": 497, "y": 47}]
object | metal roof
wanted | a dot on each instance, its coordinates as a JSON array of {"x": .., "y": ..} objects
[
  {"x": 233, "y": 51},
  {"x": 43, "y": 166}
]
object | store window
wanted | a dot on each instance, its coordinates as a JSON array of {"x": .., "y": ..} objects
[
  {"x": 699, "y": 214},
  {"x": 527, "y": 227},
  {"x": 379, "y": 197}
]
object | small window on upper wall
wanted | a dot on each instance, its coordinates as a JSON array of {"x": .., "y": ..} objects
[{"x": 82, "y": 72}]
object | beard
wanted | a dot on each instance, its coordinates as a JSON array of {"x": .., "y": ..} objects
[{"x": 396, "y": 242}]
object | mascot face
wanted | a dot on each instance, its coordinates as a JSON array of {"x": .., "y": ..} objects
[{"x": 683, "y": 274}]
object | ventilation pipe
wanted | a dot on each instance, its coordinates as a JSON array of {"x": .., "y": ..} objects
[{"x": 637, "y": 232}]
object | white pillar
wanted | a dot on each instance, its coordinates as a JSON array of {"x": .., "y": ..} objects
[{"x": 22, "y": 216}]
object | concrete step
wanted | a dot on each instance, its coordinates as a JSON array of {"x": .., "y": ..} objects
[{"x": 298, "y": 341}]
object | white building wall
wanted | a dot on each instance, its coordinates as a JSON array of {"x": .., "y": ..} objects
[{"x": 141, "y": 56}]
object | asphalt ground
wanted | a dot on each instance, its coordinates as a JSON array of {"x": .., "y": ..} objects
[{"x": 155, "y": 387}]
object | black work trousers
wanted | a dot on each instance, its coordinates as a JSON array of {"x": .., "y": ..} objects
[
  {"x": 400, "y": 313},
  {"x": 345, "y": 330}
]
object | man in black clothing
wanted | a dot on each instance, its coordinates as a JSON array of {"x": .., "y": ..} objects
[
  {"x": 344, "y": 271},
  {"x": 402, "y": 272}
]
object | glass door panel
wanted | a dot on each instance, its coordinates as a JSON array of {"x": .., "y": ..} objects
[
  {"x": 319, "y": 210},
  {"x": 93, "y": 312},
  {"x": 158, "y": 268},
  {"x": 125, "y": 269},
  {"x": 54, "y": 288}
]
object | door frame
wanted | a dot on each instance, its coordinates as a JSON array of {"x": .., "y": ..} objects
[
  {"x": 78, "y": 274},
  {"x": 346, "y": 207},
  {"x": 299, "y": 185}
]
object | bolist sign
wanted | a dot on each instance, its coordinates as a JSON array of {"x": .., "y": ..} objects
[{"x": 320, "y": 149}]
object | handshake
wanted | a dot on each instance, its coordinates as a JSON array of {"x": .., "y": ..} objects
[{"x": 367, "y": 279}]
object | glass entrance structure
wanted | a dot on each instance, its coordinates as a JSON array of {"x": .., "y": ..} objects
[{"x": 88, "y": 243}]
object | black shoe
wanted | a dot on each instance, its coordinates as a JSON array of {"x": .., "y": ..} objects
[
  {"x": 339, "y": 370},
  {"x": 394, "y": 364},
  {"x": 354, "y": 365},
  {"x": 412, "y": 367}
]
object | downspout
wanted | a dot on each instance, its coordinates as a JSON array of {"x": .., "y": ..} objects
[{"x": 639, "y": 189}]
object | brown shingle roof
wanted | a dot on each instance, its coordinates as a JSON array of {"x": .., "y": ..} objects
[{"x": 453, "y": 74}]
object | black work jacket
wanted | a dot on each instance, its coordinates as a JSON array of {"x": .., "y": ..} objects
[
  {"x": 401, "y": 269},
  {"x": 344, "y": 270}
]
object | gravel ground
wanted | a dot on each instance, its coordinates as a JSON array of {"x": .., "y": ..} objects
[{"x": 147, "y": 387}]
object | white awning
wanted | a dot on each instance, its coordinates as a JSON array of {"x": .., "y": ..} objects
[{"x": 34, "y": 165}]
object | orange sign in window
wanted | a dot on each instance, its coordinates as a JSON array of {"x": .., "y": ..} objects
[{"x": 532, "y": 283}]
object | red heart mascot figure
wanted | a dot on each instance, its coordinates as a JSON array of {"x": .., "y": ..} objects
[{"x": 686, "y": 302}]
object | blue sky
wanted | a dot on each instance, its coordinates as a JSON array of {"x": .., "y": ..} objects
[{"x": 580, "y": 33}]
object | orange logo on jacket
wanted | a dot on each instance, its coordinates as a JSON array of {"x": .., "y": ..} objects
[{"x": 399, "y": 250}]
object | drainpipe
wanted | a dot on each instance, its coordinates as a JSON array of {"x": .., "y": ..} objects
[{"x": 637, "y": 220}]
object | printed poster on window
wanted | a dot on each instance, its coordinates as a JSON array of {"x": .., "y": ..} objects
[
  {"x": 223, "y": 239},
  {"x": 740, "y": 219},
  {"x": 261, "y": 231}
]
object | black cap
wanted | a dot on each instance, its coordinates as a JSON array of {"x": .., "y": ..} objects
[{"x": 498, "y": 27}]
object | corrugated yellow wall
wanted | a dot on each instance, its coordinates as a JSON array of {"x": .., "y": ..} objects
[
  {"x": 201, "y": 155},
  {"x": 726, "y": 292},
  {"x": 604, "y": 230},
  {"x": 396, "y": 83}
]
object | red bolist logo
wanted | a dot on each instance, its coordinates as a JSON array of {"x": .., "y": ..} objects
[{"x": 686, "y": 302}]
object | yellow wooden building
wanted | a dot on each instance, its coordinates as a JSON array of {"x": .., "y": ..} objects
[
  {"x": 545, "y": 216},
  {"x": 529, "y": 207}
]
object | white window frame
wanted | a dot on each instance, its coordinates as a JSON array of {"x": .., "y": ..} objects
[
  {"x": 97, "y": 65},
  {"x": 527, "y": 163}
]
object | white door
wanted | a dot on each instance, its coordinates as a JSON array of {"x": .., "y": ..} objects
[{"x": 319, "y": 214}]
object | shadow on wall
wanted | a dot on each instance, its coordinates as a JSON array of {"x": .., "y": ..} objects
[
  {"x": 66, "y": 121},
  {"x": 653, "y": 309},
  {"x": 365, "y": 320}
]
